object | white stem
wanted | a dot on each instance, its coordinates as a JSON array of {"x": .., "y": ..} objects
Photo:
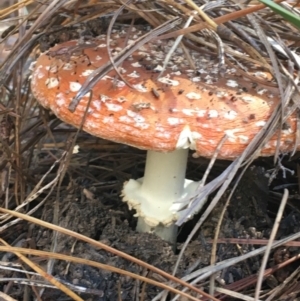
[
  {"x": 152, "y": 196},
  {"x": 163, "y": 182}
]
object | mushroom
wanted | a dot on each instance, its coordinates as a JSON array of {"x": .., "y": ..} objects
[{"x": 168, "y": 115}]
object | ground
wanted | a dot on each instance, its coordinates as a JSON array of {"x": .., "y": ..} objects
[{"x": 94, "y": 209}]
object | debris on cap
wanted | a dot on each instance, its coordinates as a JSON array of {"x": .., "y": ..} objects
[{"x": 184, "y": 108}]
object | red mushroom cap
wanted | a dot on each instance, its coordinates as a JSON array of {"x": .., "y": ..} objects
[{"x": 180, "y": 109}]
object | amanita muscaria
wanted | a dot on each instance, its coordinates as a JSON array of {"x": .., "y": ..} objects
[{"x": 168, "y": 115}]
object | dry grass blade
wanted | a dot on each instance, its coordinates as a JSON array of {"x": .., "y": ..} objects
[
  {"x": 109, "y": 30},
  {"x": 175, "y": 45},
  {"x": 5, "y": 297},
  {"x": 200, "y": 200},
  {"x": 235, "y": 294},
  {"x": 60, "y": 176},
  {"x": 219, "y": 20},
  {"x": 251, "y": 241},
  {"x": 12, "y": 8},
  {"x": 214, "y": 247},
  {"x": 202, "y": 14},
  {"x": 268, "y": 249}
]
